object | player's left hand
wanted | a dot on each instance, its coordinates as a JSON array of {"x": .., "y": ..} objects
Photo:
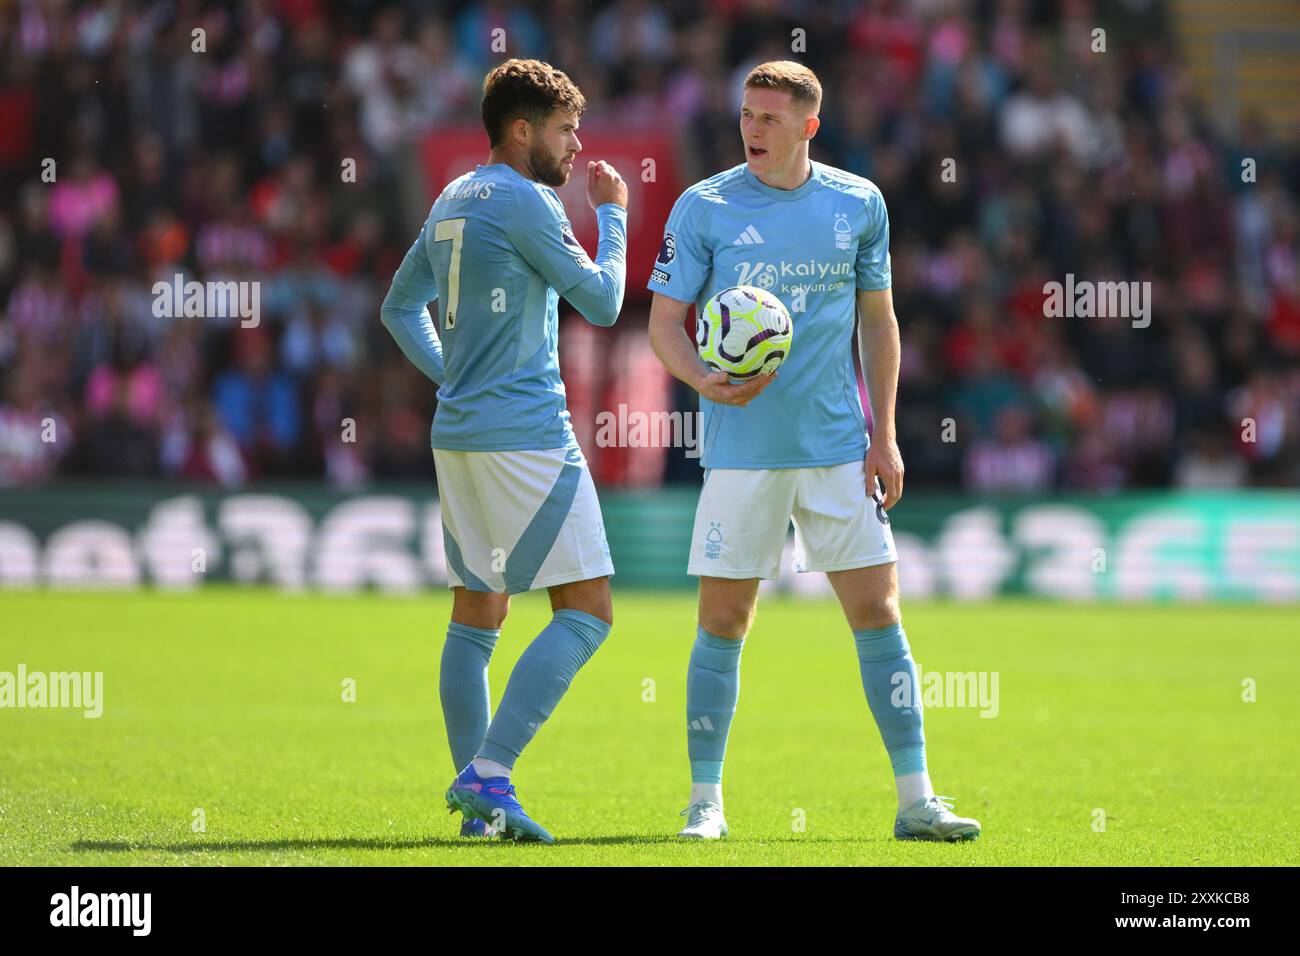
[
  {"x": 883, "y": 459},
  {"x": 604, "y": 184}
]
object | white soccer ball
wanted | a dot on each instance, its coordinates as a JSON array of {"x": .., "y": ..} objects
[{"x": 743, "y": 331}]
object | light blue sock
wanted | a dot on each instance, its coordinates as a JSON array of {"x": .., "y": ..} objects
[
  {"x": 539, "y": 680},
  {"x": 712, "y": 689},
  {"x": 463, "y": 686},
  {"x": 888, "y": 672}
]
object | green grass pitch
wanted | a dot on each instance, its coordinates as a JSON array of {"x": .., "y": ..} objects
[{"x": 230, "y": 701}]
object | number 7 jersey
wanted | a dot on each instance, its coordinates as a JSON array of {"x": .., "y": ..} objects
[{"x": 497, "y": 252}]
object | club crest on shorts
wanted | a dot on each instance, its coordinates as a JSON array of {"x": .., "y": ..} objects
[{"x": 713, "y": 541}]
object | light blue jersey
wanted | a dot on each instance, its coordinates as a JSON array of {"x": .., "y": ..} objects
[
  {"x": 812, "y": 247},
  {"x": 497, "y": 252}
]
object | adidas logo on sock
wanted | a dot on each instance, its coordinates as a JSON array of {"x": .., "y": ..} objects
[
  {"x": 749, "y": 237},
  {"x": 703, "y": 723}
]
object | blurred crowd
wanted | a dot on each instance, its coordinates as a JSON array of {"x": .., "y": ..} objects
[{"x": 1010, "y": 154}]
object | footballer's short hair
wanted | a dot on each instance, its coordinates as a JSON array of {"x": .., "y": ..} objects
[
  {"x": 788, "y": 77},
  {"x": 526, "y": 89}
]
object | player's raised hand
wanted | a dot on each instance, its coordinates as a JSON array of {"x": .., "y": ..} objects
[
  {"x": 718, "y": 388},
  {"x": 604, "y": 184},
  {"x": 884, "y": 460}
]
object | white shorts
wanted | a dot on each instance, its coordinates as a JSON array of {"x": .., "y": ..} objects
[
  {"x": 744, "y": 514},
  {"x": 517, "y": 521}
]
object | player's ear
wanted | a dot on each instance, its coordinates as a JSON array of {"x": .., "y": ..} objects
[
  {"x": 810, "y": 127},
  {"x": 521, "y": 131}
]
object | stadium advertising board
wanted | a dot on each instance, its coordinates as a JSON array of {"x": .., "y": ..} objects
[{"x": 1184, "y": 547}]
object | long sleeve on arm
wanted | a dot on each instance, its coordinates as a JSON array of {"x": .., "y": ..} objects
[
  {"x": 543, "y": 235},
  {"x": 405, "y": 312},
  {"x": 599, "y": 297}
]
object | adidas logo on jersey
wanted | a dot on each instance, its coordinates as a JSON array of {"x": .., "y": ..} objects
[{"x": 749, "y": 237}]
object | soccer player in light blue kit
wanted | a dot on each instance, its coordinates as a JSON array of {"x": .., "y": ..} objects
[
  {"x": 793, "y": 445},
  {"x": 519, "y": 508}
]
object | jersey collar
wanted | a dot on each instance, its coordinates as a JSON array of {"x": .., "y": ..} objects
[{"x": 786, "y": 195}]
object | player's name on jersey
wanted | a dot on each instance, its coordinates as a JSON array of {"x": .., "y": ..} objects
[{"x": 470, "y": 189}]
